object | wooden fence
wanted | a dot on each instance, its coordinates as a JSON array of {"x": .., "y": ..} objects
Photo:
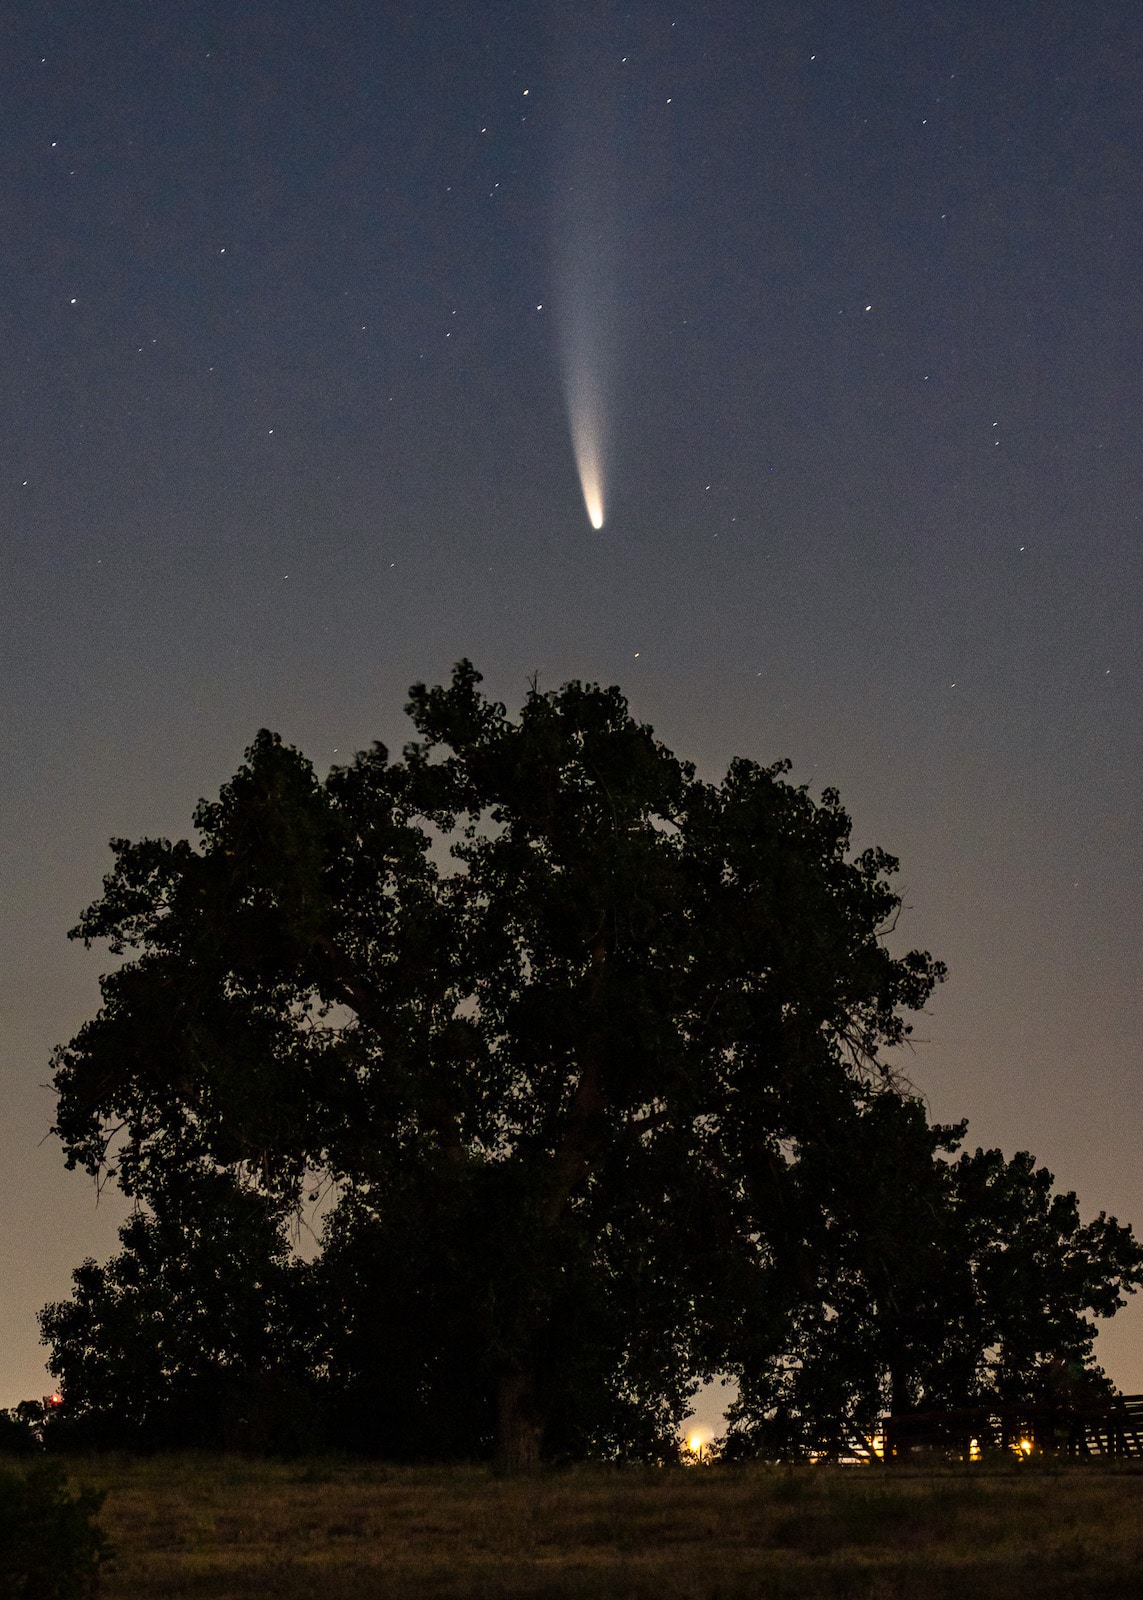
[{"x": 1112, "y": 1428}]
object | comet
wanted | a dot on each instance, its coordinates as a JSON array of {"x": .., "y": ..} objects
[
  {"x": 588, "y": 324},
  {"x": 586, "y": 237}
]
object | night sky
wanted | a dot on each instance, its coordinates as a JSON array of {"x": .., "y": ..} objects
[{"x": 293, "y": 300}]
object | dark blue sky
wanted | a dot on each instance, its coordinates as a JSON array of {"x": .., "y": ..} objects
[{"x": 283, "y": 429}]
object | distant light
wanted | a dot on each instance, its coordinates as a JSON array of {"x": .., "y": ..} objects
[{"x": 696, "y": 1445}]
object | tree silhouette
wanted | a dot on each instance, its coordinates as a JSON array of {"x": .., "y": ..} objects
[{"x": 582, "y": 1040}]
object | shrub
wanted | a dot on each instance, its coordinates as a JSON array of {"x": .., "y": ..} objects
[
  {"x": 51, "y": 1548},
  {"x": 17, "y": 1432}
]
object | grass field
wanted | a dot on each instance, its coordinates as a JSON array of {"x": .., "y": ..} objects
[{"x": 231, "y": 1529}]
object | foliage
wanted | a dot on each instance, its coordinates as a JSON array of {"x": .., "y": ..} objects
[
  {"x": 591, "y": 1051},
  {"x": 940, "y": 1284},
  {"x": 192, "y": 1335},
  {"x": 18, "y": 1435},
  {"x": 51, "y": 1548}
]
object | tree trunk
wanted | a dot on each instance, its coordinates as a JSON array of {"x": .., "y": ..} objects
[
  {"x": 900, "y": 1396},
  {"x": 518, "y": 1429}
]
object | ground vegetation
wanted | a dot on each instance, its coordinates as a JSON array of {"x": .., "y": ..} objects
[{"x": 201, "y": 1526}]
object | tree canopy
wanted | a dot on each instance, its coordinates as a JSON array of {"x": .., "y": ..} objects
[{"x": 595, "y": 1055}]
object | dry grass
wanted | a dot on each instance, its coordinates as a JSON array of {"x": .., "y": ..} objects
[{"x": 227, "y": 1529}]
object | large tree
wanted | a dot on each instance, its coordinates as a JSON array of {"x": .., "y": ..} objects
[{"x": 560, "y": 1020}]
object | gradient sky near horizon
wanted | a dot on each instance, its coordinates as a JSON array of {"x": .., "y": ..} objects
[{"x": 284, "y": 429}]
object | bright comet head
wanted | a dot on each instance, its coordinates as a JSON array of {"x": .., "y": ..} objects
[
  {"x": 594, "y": 503},
  {"x": 592, "y": 484},
  {"x": 585, "y": 414}
]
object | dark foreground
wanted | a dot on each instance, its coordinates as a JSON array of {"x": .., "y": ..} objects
[{"x": 230, "y": 1529}]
